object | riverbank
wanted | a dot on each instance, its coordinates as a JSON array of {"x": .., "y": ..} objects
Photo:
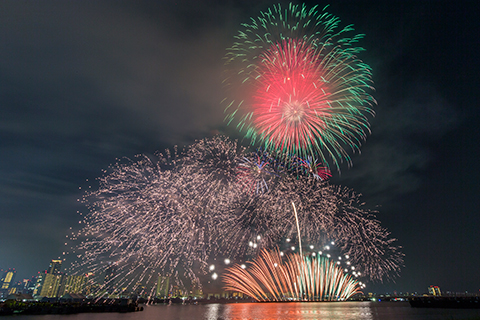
[{"x": 10, "y": 307}]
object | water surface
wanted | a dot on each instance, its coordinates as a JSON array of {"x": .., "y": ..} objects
[{"x": 287, "y": 311}]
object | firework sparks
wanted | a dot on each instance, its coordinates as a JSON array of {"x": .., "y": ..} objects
[
  {"x": 310, "y": 166},
  {"x": 271, "y": 277},
  {"x": 254, "y": 170},
  {"x": 170, "y": 215},
  {"x": 156, "y": 217},
  {"x": 324, "y": 212},
  {"x": 303, "y": 89}
]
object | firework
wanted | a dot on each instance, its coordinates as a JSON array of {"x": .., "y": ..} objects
[
  {"x": 301, "y": 87},
  {"x": 254, "y": 170},
  {"x": 217, "y": 157},
  {"x": 271, "y": 277},
  {"x": 157, "y": 215},
  {"x": 173, "y": 213},
  {"x": 325, "y": 213},
  {"x": 311, "y": 167}
]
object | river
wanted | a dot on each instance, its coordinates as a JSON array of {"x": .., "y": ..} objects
[{"x": 293, "y": 310}]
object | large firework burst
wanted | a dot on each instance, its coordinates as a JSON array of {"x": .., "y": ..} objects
[
  {"x": 158, "y": 215},
  {"x": 301, "y": 87},
  {"x": 171, "y": 215}
]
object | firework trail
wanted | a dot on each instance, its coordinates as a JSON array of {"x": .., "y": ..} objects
[
  {"x": 299, "y": 85},
  {"x": 271, "y": 277}
]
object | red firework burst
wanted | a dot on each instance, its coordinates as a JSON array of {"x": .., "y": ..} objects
[{"x": 291, "y": 102}]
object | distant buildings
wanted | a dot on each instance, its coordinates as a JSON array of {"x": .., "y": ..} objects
[
  {"x": 74, "y": 284},
  {"x": 434, "y": 291},
  {"x": 163, "y": 287},
  {"x": 6, "y": 281},
  {"x": 54, "y": 284},
  {"x": 38, "y": 283},
  {"x": 55, "y": 267},
  {"x": 51, "y": 286}
]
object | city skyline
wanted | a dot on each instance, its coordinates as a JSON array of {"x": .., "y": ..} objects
[
  {"x": 86, "y": 83},
  {"x": 52, "y": 283}
]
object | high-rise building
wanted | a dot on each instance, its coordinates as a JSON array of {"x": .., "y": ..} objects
[
  {"x": 73, "y": 284},
  {"x": 52, "y": 284},
  {"x": 39, "y": 283},
  {"x": 434, "y": 291},
  {"x": 91, "y": 284},
  {"x": 8, "y": 278},
  {"x": 31, "y": 285},
  {"x": 55, "y": 267},
  {"x": 25, "y": 284},
  {"x": 163, "y": 287}
]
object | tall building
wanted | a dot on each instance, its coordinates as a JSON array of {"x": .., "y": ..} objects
[
  {"x": 434, "y": 291},
  {"x": 8, "y": 278},
  {"x": 31, "y": 285},
  {"x": 91, "y": 285},
  {"x": 55, "y": 267},
  {"x": 52, "y": 284},
  {"x": 163, "y": 287},
  {"x": 73, "y": 284},
  {"x": 51, "y": 281},
  {"x": 39, "y": 283}
]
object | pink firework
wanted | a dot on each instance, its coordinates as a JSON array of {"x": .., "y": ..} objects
[
  {"x": 291, "y": 102},
  {"x": 299, "y": 87}
]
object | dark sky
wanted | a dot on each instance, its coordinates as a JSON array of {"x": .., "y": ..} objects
[{"x": 85, "y": 82}]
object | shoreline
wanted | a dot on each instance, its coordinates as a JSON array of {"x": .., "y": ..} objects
[{"x": 39, "y": 308}]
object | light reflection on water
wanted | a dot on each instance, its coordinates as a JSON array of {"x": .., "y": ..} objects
[
  {"x": 270, "y": 311},
  {"x": 297, "y": 310}
]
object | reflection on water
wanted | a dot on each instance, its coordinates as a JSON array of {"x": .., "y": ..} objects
[
  {"x": 270, "y": 311},
  {"x": 312, "y": 310},
  {"x": 298, "y": 310}
]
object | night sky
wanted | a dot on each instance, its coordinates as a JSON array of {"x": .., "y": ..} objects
[{"x": 83, "y": 83}]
